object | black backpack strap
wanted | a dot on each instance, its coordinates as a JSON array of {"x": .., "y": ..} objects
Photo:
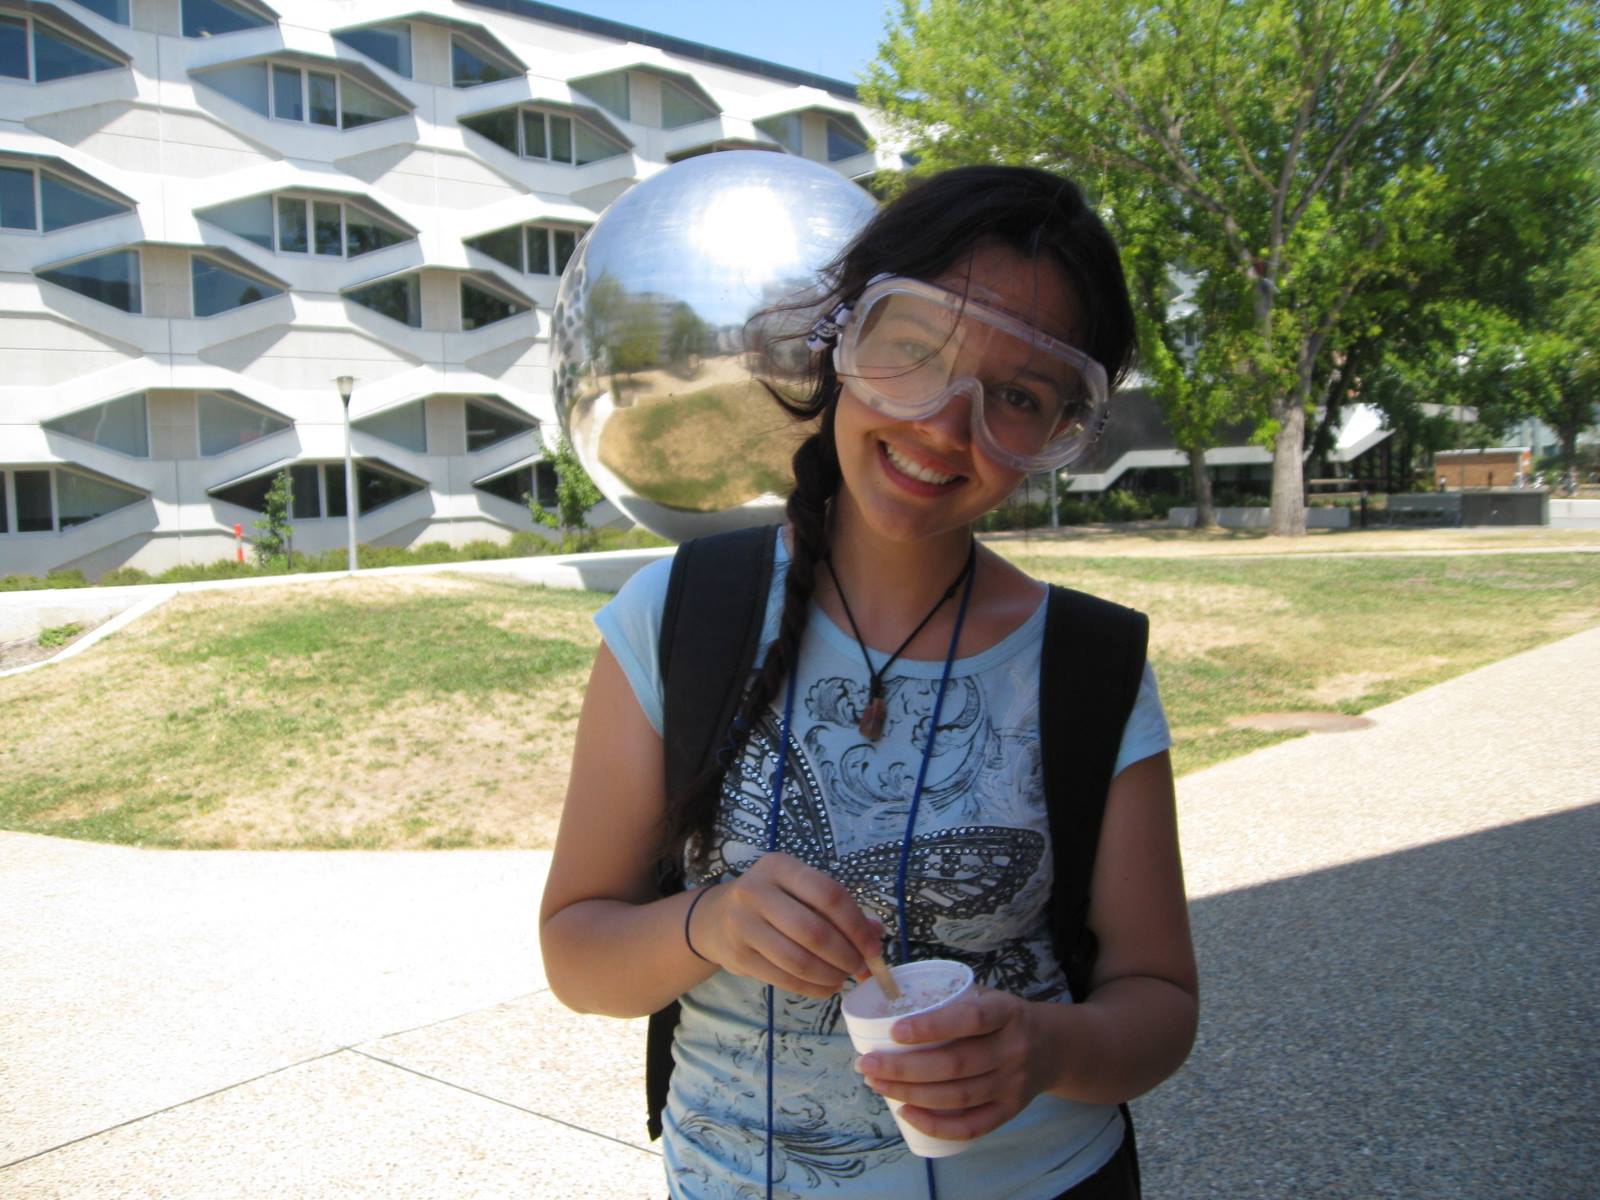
[
  {"x": 710, "y": 633},
  {"x": 1089, "y": 676}
]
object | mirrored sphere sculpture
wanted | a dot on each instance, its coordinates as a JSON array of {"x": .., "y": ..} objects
[{"x": 657, "y": 357}]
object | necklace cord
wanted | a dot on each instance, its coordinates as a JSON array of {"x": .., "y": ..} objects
[
  {"x": 922, "y": 771},
  {"x": 875, "y": 678},
  {"x": 775, "y": 811}
]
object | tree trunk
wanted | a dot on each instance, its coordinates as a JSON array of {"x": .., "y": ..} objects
[
  {"x": 1205, "y": 508},
  {"x": 1288, "y": 471}
]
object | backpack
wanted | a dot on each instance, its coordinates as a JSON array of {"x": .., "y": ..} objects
[{"x": 715, "y": 610}]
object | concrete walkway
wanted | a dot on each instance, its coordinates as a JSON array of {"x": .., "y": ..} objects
[{"x": 1397, "y": 931}]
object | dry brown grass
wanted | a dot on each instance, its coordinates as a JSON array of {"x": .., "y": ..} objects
[{"x": 439, "y": 710}]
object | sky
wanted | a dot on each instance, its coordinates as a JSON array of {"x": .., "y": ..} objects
[{"x": 836, "y": 38}]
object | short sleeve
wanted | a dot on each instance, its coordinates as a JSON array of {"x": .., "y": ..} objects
[
  {"x": 1146, "y": 732},
  {"x": 630, "y": 623}
]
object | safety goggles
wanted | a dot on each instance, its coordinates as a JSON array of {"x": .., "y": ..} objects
[{"x": 908, "y": 348}]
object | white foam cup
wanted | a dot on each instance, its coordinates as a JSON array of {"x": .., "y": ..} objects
[{"x": 928, "y": 985}]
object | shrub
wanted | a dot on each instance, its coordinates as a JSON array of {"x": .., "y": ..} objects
[
  {"x": 56, "y": 579},
  {"x": 125, "y": 577},
  {"x": 59, "y": 635}
]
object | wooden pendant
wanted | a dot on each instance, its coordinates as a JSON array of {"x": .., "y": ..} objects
[{"x": 872, "y": 719}]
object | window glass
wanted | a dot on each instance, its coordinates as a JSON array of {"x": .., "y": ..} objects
[
  {"x": 362, "y": 106},
  {"x": 56, "y": 56},
  {"x": 566, "y": 244},
  {"x": 329, "y": 228},
  {"x": 287, "y": 103},
  {"x": 386, "y": 44},
  {"x": 80, "y": 498},
  {"x": 226, "y": 424},
  {"x": 5, "y": 520},
  {"x": 66, "y": 204},
  {"x": 374, "y": 489},
  {"x": 13, "y": 47},
  {"x": 538, "y": 480},
  {"x": 218, "y": 289},
  {"x": 117, "y": 425},
  {"x": 560, "y": 138},
  {"x": 245, "y": 84},
  {"x": 109, "y": 278},
  {"x": 499, "y": 127},
  {"x": 33, "y": 501},
  {"x": 489, "y": 426},
  {"x": 208, "y": 18},
  {"x": 512, "y": 486},
  {"x": 250, "y": 219},
  {"x": 480, "y": 307},
  {"x": 292, "y": 226},
  {"x": 333, "y": 487},
  {"x": 17, "y": 209},
  {"x": 111, "y": 10},
  {"x": 679, "y": 107},
  {"x": 544, "y": 484},
  {"x": 843, "y": 142},
  {"x": 364, "y": 234},
  {"x": 470, "y": 66},
  {"x": 323, "y": 90},
  {"x": 784, "y": 130},
  {"x": 503, "y": 245},
  {"x": 398, "y": 299},
  {"x": 249, "y": 493},
  {"x": 610, "y": 92},
  {"x": 534, "y": 142},
  {"x": 305, "y": 501},
  {"x": 404, "y": 426},
  {"x": 592, "y": 145},
  {"x": 538, "y": 250}
]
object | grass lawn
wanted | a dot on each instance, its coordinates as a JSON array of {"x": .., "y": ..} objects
[{"x": 434, "y": 711}]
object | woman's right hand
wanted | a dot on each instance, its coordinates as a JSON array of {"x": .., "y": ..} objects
[{"x": 786, "y": 924}]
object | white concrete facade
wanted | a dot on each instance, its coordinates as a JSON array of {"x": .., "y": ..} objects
[{"x": 264, "y": 173}]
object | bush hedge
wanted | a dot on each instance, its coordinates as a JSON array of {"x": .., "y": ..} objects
[{"x": 523, "y": 544}]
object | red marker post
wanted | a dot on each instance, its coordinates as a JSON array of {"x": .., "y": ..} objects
[{"x": 238, "y": 541}]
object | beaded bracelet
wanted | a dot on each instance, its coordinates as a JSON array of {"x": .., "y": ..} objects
[{"x": 687, "y": 941}]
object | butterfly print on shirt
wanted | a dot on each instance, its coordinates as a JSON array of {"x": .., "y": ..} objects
[{"x": 953, "y": 875}]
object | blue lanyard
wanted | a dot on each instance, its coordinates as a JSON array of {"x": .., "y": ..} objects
[{"x": 775, "y": 811}]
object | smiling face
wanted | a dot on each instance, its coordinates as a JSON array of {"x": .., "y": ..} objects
[{"x": 910, "y": 480}]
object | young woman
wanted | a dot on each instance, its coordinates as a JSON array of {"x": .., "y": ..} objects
[{"x": 981, "y": 321}]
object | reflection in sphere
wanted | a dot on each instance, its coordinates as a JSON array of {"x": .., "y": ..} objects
[{"x": 657, "y": 379}]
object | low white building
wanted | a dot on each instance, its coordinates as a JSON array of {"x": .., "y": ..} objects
[{"x": 209, "y": 209}]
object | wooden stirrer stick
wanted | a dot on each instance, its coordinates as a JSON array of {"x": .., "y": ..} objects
[{"x": 880, "y": 972}]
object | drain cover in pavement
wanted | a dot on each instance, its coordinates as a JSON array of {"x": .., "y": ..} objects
[{"x": 1291, "y": 722}]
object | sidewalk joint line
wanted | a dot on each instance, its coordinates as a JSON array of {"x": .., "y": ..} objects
[
  {"x": 507, "y": 1103},
  {"x": 383, "y": 1037},
  {"x": 169, "y": 1108}
]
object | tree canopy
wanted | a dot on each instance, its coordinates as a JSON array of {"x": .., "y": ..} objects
[{"x": 1314, "y": 163}]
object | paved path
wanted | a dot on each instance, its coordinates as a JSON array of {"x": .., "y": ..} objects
[{"x": 1397, "y": 930}]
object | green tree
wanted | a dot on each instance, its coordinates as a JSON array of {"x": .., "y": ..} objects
[
  {"x": 576, "y": 494},
  {"x": 274, "y": 534},
  {"x": 1308, "y": 150},
  {"x": 1548, "y": 366}
]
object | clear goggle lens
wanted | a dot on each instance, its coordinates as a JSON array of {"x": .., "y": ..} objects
[{"x": 911, "y": 347}]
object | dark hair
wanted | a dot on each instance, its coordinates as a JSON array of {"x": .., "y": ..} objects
[{"x": 922, "y": 234}]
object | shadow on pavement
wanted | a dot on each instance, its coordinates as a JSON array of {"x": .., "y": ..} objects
[{"x": 1418, "y": 1025}]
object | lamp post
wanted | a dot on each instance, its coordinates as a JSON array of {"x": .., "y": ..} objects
[{"x": 346, "y": 385}]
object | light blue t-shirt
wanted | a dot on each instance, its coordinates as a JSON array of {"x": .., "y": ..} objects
[{"x": 978, "y": 890}]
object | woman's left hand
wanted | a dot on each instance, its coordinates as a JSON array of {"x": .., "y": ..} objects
[{"x": 985, "y": 1073}]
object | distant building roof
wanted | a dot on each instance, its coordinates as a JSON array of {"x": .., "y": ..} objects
[{"x": 552, "y": 15}]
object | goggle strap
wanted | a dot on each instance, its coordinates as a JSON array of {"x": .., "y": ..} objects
[{"x": 826, "y": 331}]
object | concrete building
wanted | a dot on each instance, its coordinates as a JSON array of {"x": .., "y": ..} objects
[{"x": 209, "y": 209}]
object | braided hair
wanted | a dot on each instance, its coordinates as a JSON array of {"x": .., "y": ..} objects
[{"x": 933, "y": 226}]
